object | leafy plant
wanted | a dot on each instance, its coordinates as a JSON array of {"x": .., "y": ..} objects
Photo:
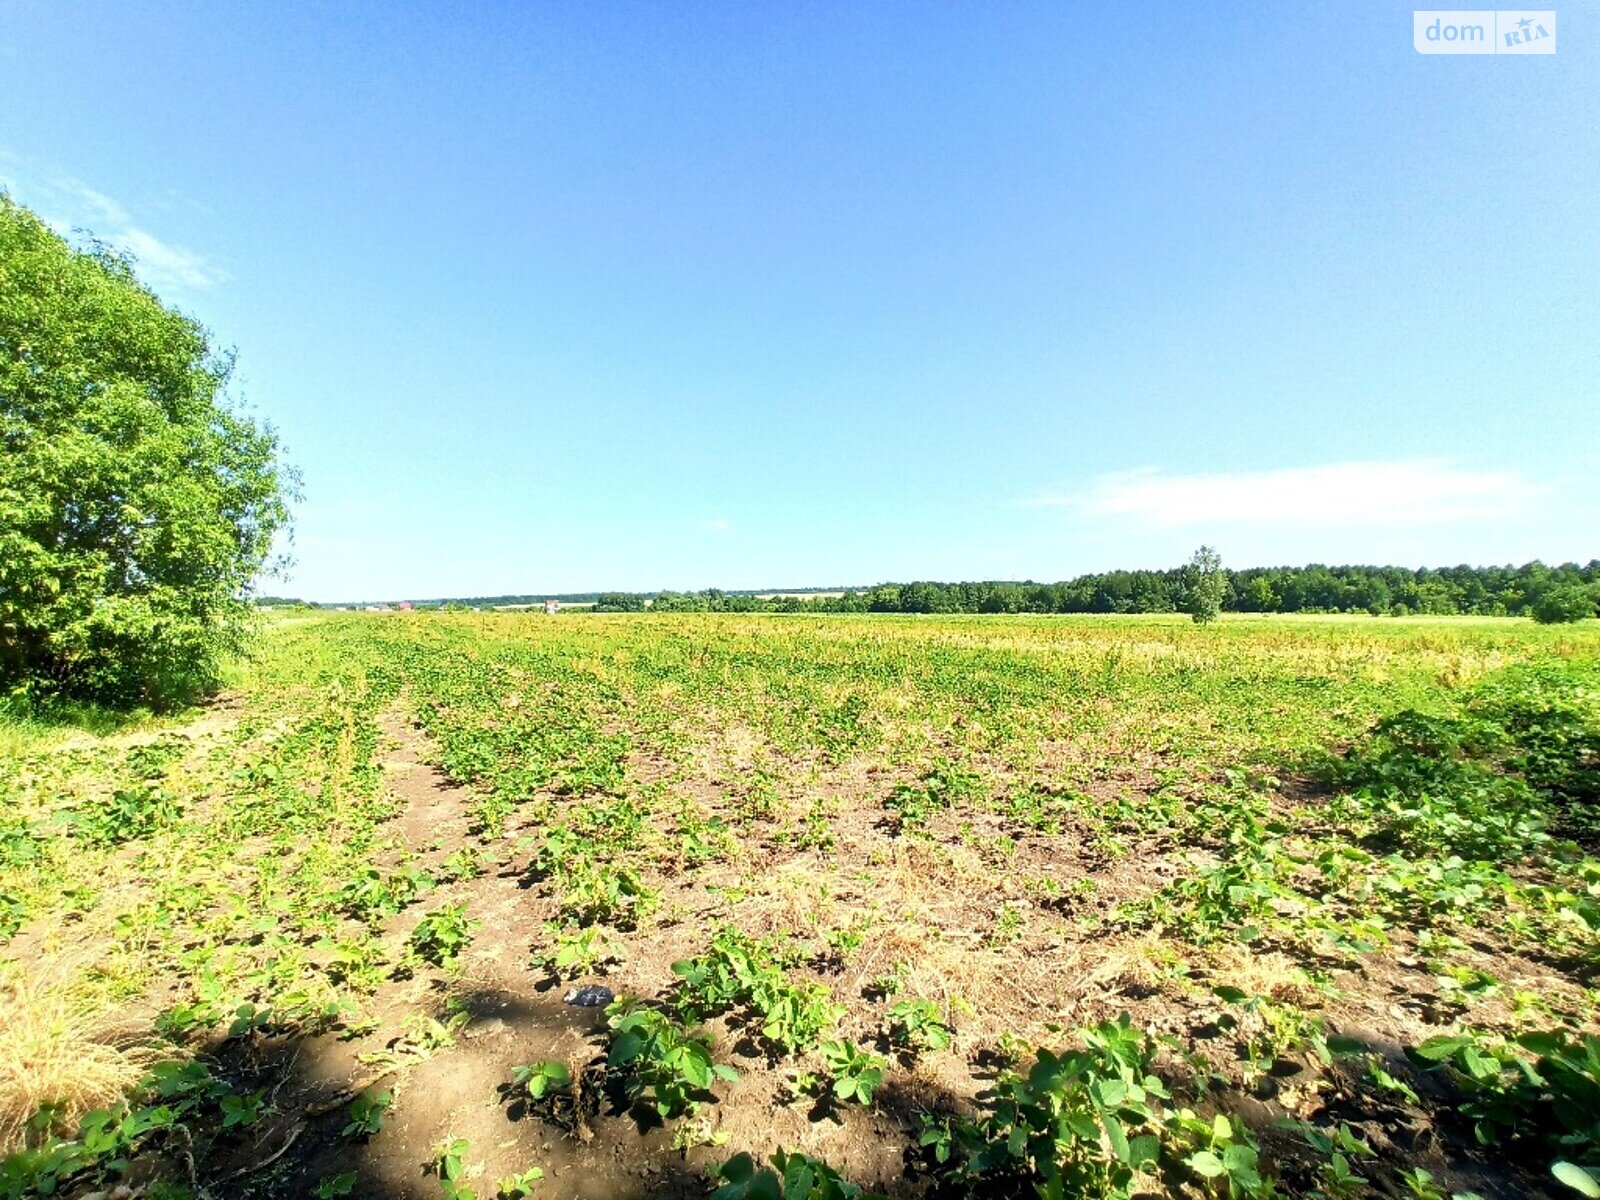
[
  {"x": 519, "y": 1187},
  {"x": 367, "y": 1112},
  {"x": 242, "y": 1110},
  {"x": 371, "y": 895},
  {"x": 1543, "y": 1087},
  {"x": 1336, "y": 1177},
  {"x": 856, "y": 1073},
  {"x": 1225, "y": 1156},
  {"x": 465, "y": 863},
  {"x": 581, "y": 951},
  {"x": 945, "y": 785},
  {"x": 336, "y": 1185},
  {"x": 792, "y": 1176},
  {"x": 129, "y": 814},
  {"x": 1085, "y": 1122},
  {"x": 450, "y": 1165},
  {"x": 538, "y": 1079},
  {"x": 425, "y": 1033},
  {"x": 918, "y": 1025},
  {"x": 738, "y": 972},
  {"x": 441, "y": 935},
  {"x": 663, "y": 1065}
]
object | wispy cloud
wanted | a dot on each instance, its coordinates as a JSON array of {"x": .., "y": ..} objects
[
  {"x": 1408, "y": 492},
  {"x": 161, "y": 262},
  {"x": 70, "y": 204},
  {"x": 717, "y": 525}
]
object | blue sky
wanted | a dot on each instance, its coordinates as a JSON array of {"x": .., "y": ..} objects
[{"x": 551, "y": 297}]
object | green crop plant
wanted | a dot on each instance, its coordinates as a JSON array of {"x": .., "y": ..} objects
[
  {"x": 916, "y": 1026},
  {"x": 450, "y": 1165},
  {"x": 663, "y": 1065},
  {"x": 1338, "y": 1150},
  {"x": 738, "y": 972},
  {"x": 857, "y": 1074},
  {"x": 441, "y": 935},
  {"x": 538, "y": 1080},
  {"x": 366, "y": 1114},
  {"x": 373, "y": 896},
  {"x": 1224, "y": 1155},
  {"x": 945, "y": 785},
  {"x": 792, "y": 1176},
  {"x": 333, "y": 1186},
  {"x": 580, "y": 951},
  {"x": 520, "y": 1186},
  {"x": 1086, "y": 1122},
  {"x": 129, "y": 814}
]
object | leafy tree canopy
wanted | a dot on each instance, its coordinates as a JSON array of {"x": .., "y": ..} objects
[
  {"x": 1205, "y": 587},
  {"x": 137, "y": 504},
  {"x": 1562, "y": 605}
]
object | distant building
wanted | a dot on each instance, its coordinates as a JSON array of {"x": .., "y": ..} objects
[
  {"x": 404, "y": 606},
  {"x": 552, "y": 607}
]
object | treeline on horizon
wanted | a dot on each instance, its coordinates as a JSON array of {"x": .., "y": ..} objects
[{"x": 1378, "y": 591}]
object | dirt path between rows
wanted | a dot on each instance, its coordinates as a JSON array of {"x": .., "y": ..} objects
[{"x": 518, "y": 1016}]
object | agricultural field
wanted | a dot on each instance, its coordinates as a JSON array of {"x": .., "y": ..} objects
[{"x": 928, "y": 907}]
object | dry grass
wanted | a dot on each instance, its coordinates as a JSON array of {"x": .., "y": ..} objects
[{"x": 57, "y": 1051}]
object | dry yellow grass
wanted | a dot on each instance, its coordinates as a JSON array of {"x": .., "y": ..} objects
[{"x": 56, "y": 1051}]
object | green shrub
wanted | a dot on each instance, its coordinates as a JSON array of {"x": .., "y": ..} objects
[
  {"x": 1564, "y": 605},
  {"x": 137, "y": 505}
]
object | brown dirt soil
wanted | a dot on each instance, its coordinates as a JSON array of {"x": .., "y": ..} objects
[{"x": 932, "y": 913}]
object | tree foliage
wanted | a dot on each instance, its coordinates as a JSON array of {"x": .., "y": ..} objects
[
  {"x": 137, "y": 504},
  {"x": 1379, "y": 591},
  {"x": 1562, "y": 605},
  {"x": 1204, "y": 586}
]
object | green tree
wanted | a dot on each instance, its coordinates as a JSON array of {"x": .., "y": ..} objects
[
  {"x": 1204, "y": 585},
  {"x": 137, "y": 504},
  {"x": 1261, "y": 596},
  {"x": 1561, "y": 605}
]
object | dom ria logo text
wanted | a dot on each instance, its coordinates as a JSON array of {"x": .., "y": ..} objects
[{"x": 1484, "y": 31}]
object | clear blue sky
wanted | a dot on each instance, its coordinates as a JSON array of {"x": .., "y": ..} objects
[{"x": 550, "y": 297}]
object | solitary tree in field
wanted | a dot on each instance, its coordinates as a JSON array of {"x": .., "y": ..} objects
[
  {"x": 1204, "y": 585},
  {"x": 136, "y": 504}
]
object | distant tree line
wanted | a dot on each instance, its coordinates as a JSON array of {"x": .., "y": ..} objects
[{"x": 1565, "y": 592}]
